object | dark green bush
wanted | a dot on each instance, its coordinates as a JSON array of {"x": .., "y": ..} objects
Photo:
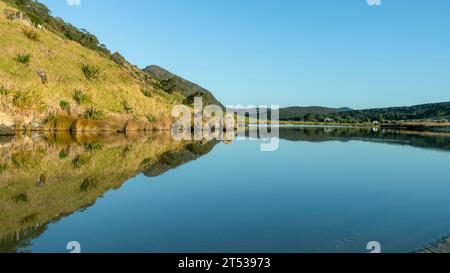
[{"x": 23, "y": 58}]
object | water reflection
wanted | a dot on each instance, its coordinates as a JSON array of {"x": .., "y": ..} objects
[{"x": 45, "y": 177}]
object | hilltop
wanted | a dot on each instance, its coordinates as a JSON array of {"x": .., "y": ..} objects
[{"x": 172, "y": 83}]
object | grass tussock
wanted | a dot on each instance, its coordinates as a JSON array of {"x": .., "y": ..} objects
[
  {"x": 23, "y": 99},
  {"x": 27, "y": 159},
  {"x": 93, "y": 146},
  {"x": 150, "y": 118},
  {"x": 27, "y": 100},
  {"x": 93, "y": 113},
  {"x": 80, "y": 161},
  {"x": 60, "y": 123},
  {"x": 91, "y": 72},
  {"x": 89, "y": 183},
  {"x": 80, "y": 97},
  {"x": 64, "y": 105},
  {"x": 23, "y": 58},
  {"x": 21, "y": 198},
  {"x": 146, "y": 163},
  {"x": 127, "y": 107},
  {"x": 31, "y": 34},
  {"x": 63, "y": 154},
  {"x": 147, "y": 92}
]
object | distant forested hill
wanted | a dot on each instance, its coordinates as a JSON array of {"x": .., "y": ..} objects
[
  {"x": 436, "y": 111},
  {"x": 417, "y": 112}
]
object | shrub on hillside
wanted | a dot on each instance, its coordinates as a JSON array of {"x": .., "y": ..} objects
[
  {"x": 23, "y": 58},
  {"x": 21, "y": 197},
  {"x": 147, "y": 92},
  {"x": 93, "y": 113},
  {"x": 80, "y": 97},
  {"x": 89, "y": 184},
  {"x": 91, "y": 72},
  {"x": 127, "y": 107}
]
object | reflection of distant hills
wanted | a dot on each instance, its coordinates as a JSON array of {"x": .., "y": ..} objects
[{"x": 433, "y": 140}]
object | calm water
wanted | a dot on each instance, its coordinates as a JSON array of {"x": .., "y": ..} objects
[{"x": 324, "y": 190}]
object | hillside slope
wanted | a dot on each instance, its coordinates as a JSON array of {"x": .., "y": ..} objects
[
  {"x": 43, "y": 74},
  {"x": 172, "y": 83}
]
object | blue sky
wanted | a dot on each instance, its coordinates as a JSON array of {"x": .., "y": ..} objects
[{"x": 313, "y": 52}]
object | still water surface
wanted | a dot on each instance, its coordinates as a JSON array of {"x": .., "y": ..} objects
[{"x": 323, "y": 190}]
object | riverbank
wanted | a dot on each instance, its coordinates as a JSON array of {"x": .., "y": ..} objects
[{"x": 442, "y": 246}]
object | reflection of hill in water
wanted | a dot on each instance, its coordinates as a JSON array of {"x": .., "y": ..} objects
[
  {"x": 434, "y": 140},
  {"x": 46, "y": 177},
  {"x": 173, "y": 159}
]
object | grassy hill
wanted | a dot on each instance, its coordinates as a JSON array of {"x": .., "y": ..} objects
[{"x": 45, "y": 73}]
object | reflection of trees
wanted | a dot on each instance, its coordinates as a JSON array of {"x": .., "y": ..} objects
[
  {"x": 440, "y": 141},
  {"x": 45, "y": 177}
]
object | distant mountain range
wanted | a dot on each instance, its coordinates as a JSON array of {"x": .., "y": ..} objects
[{"x": 172, "y": 83}]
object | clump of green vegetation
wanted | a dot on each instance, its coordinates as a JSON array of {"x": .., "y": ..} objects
[
  {"x": 127, "y": 107},
  {"x": 93, "y": 146},
  {"x": 64, "y": 105},
  {"x": 23, "y": 58},
  {"x": 5, "y": 91},
  {"x": 93, "y": 113},
  {"x": 147, "y": 92},
  {"x": 21, "y": 197},
  {"x": 89, "y": 184},
  {"x": 80, "y": 97},
  {"x": 81, "y": 161},
  {"x": 151, "y": 118},
  {"x": 91, "y": 72},
  {"x": 63, "y": 154},
  {"x": 31, "y": 34},
  {"x": 146, "y": 163}
]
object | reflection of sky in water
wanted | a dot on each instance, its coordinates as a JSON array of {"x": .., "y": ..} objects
[{"x": 324, "y": 196}]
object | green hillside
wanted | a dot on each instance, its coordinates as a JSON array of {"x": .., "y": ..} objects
[{"x": 57, "y": 70}]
